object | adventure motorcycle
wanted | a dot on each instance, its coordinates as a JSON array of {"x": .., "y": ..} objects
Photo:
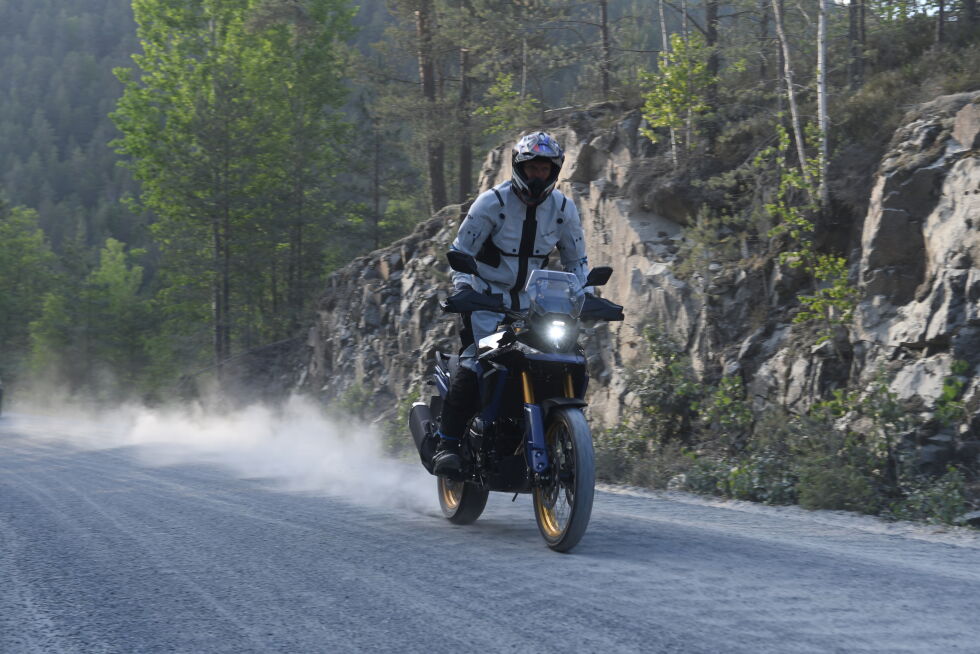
[{"x": 529, "y": 435}]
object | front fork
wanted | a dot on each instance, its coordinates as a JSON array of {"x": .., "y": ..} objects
[{"x": 535, "y": 448}]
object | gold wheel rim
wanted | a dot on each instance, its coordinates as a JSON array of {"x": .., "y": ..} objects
[
  {"x": 554, "y": 503},
  {"x": 451, "y": 492},
  {"x": 547, "y": 518}
]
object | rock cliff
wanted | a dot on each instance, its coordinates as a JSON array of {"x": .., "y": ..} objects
[{"x": 915, "y": 264}]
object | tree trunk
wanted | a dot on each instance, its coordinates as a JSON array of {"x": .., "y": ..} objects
[
  {"x": 606, "y": 54},
  {"x": 689, "y": 118},
  {"x": 790, "y": 92},
  {"x": 465, "y": 138},
  {"x": 763, "y": 42},
  {"x": 684, "y": 27},
  {"x": 852, "y": 45},
  {"x": 940, "y": 21},
  {"x": 376, "y": 184},
  {"x": 711, "y": 36},
  {"x": 822, "y": 118},
  {"x": 862, "y": 42},
  {"x": 665, "y": 50},
  {"x": 523, "y": 68},
  {"x": 226, "y": 285},
  {"x": 434, "y": 150}
]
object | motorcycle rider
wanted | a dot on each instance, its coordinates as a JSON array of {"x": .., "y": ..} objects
[{"x": 510, "y": 230}]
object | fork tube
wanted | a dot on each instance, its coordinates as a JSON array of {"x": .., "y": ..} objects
[
  {"x": 528, "y": 388},
  {"x": 569, "y": 386}
]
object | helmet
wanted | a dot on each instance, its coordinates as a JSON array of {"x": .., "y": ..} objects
[{"x": 537, "y": 145}]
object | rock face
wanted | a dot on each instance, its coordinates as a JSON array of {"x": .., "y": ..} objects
[
  {"x": 916, "y": 263},
  {"x": 379, "y": 322},
  {"x": 920, "y": 250}
]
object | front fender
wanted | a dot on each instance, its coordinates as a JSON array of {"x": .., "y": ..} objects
[{"x": 561, "y": 403}]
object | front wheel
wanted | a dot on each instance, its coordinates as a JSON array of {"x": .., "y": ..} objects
[
  {"x": 563, "y": 507},
  {"x": 461, "y": 503}
]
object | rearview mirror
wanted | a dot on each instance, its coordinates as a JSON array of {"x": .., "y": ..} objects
[
  {"x": 598, "y": 276},
  {"x": 462, "y": 262}
]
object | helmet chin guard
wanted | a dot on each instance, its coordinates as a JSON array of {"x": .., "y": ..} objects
[{"x": 536, "y": 145}]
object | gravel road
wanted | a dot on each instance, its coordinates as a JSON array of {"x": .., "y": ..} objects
[{"x": 136, "y": 544}]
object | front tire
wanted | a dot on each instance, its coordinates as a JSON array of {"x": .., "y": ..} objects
[
  {"x": 461, "y": 503},
  {"x": 563, "y": 507}
]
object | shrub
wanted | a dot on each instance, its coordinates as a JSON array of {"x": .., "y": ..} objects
[
  {"x": 667, "y": 390},
  {"x": 726, "y": 414},
  {"x": 828, "y": 484},
  {"x": 706, "y": 476},
  {"x": 762, "y": 477},
  {"x": 940, "y": 500},
  {"x": 625, "y": 455}
]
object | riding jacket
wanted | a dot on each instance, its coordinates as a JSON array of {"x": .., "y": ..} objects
[{"x": 510, "y": 239}]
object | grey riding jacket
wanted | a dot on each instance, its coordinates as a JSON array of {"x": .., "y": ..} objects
[{"x": 510, "y": 239}]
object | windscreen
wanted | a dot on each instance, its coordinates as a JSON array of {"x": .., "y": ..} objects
[{"x": 550, "y": 291}]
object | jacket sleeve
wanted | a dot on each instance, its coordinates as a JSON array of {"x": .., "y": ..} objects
[
  {"x": 473, "y": 231},
  {"x": 571, "y": 244}
]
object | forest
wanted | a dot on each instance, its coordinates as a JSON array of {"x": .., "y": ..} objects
[{"x": 178, "y": 177}]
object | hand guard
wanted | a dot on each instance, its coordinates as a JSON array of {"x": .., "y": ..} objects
[
  {"x": 466, "y": 300},
  {"x": 597, "y": 308}
]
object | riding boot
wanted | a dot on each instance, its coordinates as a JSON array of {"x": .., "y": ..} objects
[{"x": 447, "y": 462}]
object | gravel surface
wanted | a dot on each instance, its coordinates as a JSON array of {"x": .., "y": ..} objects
[{"x": 129, "y": 543}]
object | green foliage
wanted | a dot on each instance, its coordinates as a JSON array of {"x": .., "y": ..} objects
[
  {"x": 56, "y": 61},
  {"x": 355, "y": 401},
  {"x": 940, "y": 500},
  {"x": 715, "y": 237},
  {"x": 833, "y": 298},
  {"x": 950, "y": 409},
  {"x": 843, "y": 454},
  {"x": 395, "y": 434},
  {"x": 667, "y": 390},
  {"x": 833, "y": 303},
  {"x": 706, "y": 475},
  {"x": 506, "y": 111},
  {"x": 828, "y": 484},
  {"x": 27, "y": 272},
  {"x": 233, "y": 128},
  {"x": 726, "y": 413},
  {"x": 761, "y": 476},
  {"x": 678, "y": 89},
  {"x": 91, "y": 333}
]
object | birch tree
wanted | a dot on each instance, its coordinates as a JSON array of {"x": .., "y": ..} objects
[
  {"x": 791, "y": 91},
  {"x": 822, "y": 118}
]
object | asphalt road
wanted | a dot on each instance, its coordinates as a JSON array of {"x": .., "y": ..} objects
[{"x": 104, "y": 549}]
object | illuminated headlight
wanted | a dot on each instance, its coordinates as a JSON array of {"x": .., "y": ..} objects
[{"x": 557, "y": 330}]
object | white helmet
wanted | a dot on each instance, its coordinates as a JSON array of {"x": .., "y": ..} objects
[{"x": 537, "y": 145}]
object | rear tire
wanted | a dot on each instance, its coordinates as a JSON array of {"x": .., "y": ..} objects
[
  {"x": 563, "y": 507},
  {"x": 461, "y": 503}
]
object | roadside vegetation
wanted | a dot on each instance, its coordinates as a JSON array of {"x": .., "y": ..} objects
[{"x": 857, "y": 450}]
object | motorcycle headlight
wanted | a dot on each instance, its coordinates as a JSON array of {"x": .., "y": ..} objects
[{"x": 557, "y": 331}]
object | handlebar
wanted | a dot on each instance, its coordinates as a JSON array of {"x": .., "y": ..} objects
[{"x": 468, "y": 300}]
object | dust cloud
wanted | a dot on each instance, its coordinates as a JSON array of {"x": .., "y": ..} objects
[{"x": 296, "y": 446}]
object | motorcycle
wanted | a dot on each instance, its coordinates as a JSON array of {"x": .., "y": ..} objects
[{"x": 530, "y": 435}]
